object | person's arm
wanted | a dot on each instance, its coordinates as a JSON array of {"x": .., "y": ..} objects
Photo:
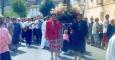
[
  {"x": 8, "y": 37},
  {"x": 93, "y": 28}
]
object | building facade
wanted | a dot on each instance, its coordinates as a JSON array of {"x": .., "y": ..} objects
[{"x": 99, "y": 8}]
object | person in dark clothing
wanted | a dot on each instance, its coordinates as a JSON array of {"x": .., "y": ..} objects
[
  {"x": 16, "y": 34},
  {"x": 77, "y": 38},
  {"x": 111, "y": 29},
  {"x": 28, "y": 32},
  {"x": 86, "y": 31}
]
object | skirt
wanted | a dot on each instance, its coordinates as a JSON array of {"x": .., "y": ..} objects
[
  {"x": 5, "y": 56},
  {"x": 77, "y": 44},
  {"x": 104, "y": 39},
  {"x": 55, "y": 45}
]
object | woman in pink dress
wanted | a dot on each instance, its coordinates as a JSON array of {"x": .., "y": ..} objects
[
  {"x": 5, "y": 40},
  {"x": 53, "y": 28}
]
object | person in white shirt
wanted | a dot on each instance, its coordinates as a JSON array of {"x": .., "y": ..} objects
[
  {"x": 110, "y": 53},
  {"x": 95, "y": 32},
  {"x": 23, "y": 25},
  {"x": 105, "y": 27},
  {"x": 28, "y": 34},
  {"x": 37, "y": 32},
  {"x": 44, "y": 42}
]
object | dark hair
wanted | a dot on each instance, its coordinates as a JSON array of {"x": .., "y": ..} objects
[
  {"x": 107, "y": 15},
  {"x": 53, "y": 14}
]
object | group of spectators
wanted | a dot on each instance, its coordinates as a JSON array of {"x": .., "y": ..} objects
[{"x": 56, "y": 36}]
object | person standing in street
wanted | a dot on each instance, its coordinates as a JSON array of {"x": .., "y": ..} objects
[
  {"x": 110, "y": 53},
  {"x": 78, "y": 34},
  {"x": 16, "y": 34},
  {"x": 44, "y": 42},
  {"x": 37, "y": 30},
  {"x": 5, "y": 41},
  {"x": 95, "y": 32},
  {"x": 105, "y": 27},
  {"x": 111, "y": 29},
  {"x": 90, "y": 36},
  {"x": 53, "y": 28},
  {"x": 65, "y": 41},
  {"x": 10, "y": 27},
  {"x": 28, "y": 31}
]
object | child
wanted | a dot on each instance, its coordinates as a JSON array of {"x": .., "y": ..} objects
[{"x": 65, "y": 41}]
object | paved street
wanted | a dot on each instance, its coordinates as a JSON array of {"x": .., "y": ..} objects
[{"x": 35, "y": 53}]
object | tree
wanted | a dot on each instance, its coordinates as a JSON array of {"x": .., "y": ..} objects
[
  {"x": 2, "y": 6},
  {"x": 46, "y": 7},
  {"x": 20, "y": 8}
]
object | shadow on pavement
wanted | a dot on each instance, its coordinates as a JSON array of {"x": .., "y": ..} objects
[
  {"x": 33, "y": 47},
  {"x": 65, "y": 58},
  {"x": 87, "y": 58},
  {"x": 88, "y": 53},
  {"x": 17, "y": 52},
  {"x": 22, "y": 45}
]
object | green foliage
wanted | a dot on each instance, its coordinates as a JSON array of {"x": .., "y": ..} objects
[
  {"x": 10, "y": 13},
  {"x": 46, "y": 7},
  {"x": 19, "y": 7}
]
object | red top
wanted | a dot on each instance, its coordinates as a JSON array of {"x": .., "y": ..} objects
[{"x": 52, "y": 30}]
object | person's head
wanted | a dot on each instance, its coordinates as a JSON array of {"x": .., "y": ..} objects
[
  {"x": 47, "y": 17},
  {"x": 26, "y": 19},
  {"x": 96, "y": 19},
  {"x": 91, "y": 19},
  {"x": 9, "y": 20},
  {"x": 78, "y": 17},
  {"x": 29, "y": 19},
  {"x": 65, "y": 31},
  {"x": 107, "y": 16},
  {"x": 86, "y": 19},
  {"x": 113, "y": 22},
  {"x": 1, "y": 21},
  {"x": 32, "y": 19},
  {"x": 14, "y": 20},
  {"x": 18, "y": 20},
  {"x": 53, "y": 17}
]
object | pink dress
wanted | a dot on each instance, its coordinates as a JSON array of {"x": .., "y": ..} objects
[{"x": 5, "y": 40}]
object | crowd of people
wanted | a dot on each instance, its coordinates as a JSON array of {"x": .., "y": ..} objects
[{"x": 50, "y": 33}]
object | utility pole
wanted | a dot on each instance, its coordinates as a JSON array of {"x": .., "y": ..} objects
[{"x": 2, "y": 7}]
